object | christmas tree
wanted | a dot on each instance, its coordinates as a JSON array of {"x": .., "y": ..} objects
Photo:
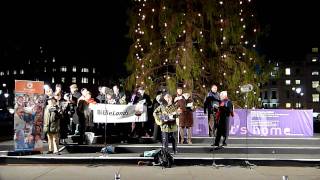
[{"x": 195, "y": 43}]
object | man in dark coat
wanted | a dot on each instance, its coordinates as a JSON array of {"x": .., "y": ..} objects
[
  {"x": 223, "y": 114},
  {"x": 211, "y": 105}
]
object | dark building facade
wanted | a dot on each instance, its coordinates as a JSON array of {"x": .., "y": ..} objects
[
  {"x": 294, "y": 84},
  {"x": 51, "y": 70}
]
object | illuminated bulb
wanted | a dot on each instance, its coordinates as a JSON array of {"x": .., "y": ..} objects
[
  {"x": 142, "y": 66},
  {"x": 137, "y": 77},
  {"x": 166, "y": 60},
  {"x": 201, "y": 50},
  {"x": 143, "y": 5},
  {"x": 152, "y": 10},
  {"x": 221, "y": 20},
  {"x": 252, "y": 15},
  {"x": 254, "y": 45},
  {"x": 151, "y": 26},
  {"x": 202, "y": 68},
  {"x": 177, "y": 62},
  {"x": 165, "y": 24},
  {"x": 136, "y": 30},
  {"x": 203, "y": 86},
  {"x": 184, "y": 85},
  {"x": 221, "y": 2},
  {"x": 224, "y": 55},
  {"x": 221, "y": 29},
  {"x": 221, "y": 84},
  {"x": 142, "y": 32},
  {"x": 150, "y": 43},
  {"x": 244, "y": 26},
  {"x": 240, "y": 2},
  {"x": 179, "y": 35},
  {"x": 224, "y": 38},
  {"x": 136, "y": 46},
  {"x": 142, "y": 82},
  {"x": 141, "y": 49},
  {"x": 237, "y": 92},
  {"x": 246, "y": 42},
  {"x": 149, "y": 77},
  {"x": 168, "y": 77},
  {"x": 221, "y": 42},
  {"x": 139, "y": 10},
  {"x": 163, "y": 7},
  {"x": 184, "y": 67},
  {"x": 243, "y": 54},
  {"x": 137, "y": 54},
  {"x": 255, "y": 30},
  {"x": 254, "y": 92},
  {"x": 249, "y": 0},
  {"x": 250, "y": 58},
  {"x": 244, "y": 71},
  {"x": 224, "y": 74},
  {"x": 184, "y": 49},
  {"x": 200, "y": 32},
  {"x": 138, "y": 40},
  {"x": 165, "y": 37},
  {"x": 241, "y": 36},
  {"x": 138, "y": 24},
  {"x": 241, "y": 19},
  {"x": 199, "y": 14},
  {"x": 150, "y": 60}
]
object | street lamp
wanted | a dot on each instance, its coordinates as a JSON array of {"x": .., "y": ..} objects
[{"x": 299, "y": 92}]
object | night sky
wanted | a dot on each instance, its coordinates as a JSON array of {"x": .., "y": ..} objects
[{"x": 96, "y": 32}]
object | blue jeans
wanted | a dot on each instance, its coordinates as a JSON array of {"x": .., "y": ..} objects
[{"x": 172, "y": 136}]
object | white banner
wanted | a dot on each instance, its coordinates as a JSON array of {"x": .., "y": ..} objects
[{"x": 114, "y": 113}]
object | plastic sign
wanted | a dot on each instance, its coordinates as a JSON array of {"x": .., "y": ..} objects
[{"x": 246, "y": 88}]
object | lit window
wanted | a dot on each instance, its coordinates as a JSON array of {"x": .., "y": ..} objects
[
  {"x": 93, "y": 81},
  {"x": 29, "y": 62},
  {"x": 74, "y": 80},
  {"x": 315, "y": 50},
  {"x": 53, "y": 60},
  {"x": 54, "y": 70},
  {"x": 315, "y": 98},
  {"x": 288, "y": 105},
  {"x": 314, "y": 59},
  {"x": 315, "y": 84},
  {"x": 93, "y": 70},
  {"x": 1, "y": 73},
  {"x": 21, "y": 71},
  {"x": 298, "y": 105},
  {"x": 288, "y": 72},
  {"x": 63, "y": 69},
  {"x": 298, "y": 81},
  {"x": 315, "y": 73},
  {"x": 52, "y": 80},
  {"x": 63, "y": 79},
  {"x": 74, "y": 69},
  {"x": 84, "y": 80},
  {"x": 45, "y": 69},
  {"x": 14, "y": 72},
  {"x": 288, "y": 82},
  {"x": 84, "y": 70}
]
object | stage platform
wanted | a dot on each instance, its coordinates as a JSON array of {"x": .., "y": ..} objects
[{"x": 259, "y": 150}]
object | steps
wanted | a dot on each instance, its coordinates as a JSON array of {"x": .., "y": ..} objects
[{"x": 201, "y": 151}]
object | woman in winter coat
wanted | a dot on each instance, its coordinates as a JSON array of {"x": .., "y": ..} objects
[{"x": 52, "y": 125}]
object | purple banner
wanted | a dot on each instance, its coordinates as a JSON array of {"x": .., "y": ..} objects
[
  {"x": 261, "y": 122},
  {"x": 200, "y": 124},
  {"x": 271, "y": 123}
]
